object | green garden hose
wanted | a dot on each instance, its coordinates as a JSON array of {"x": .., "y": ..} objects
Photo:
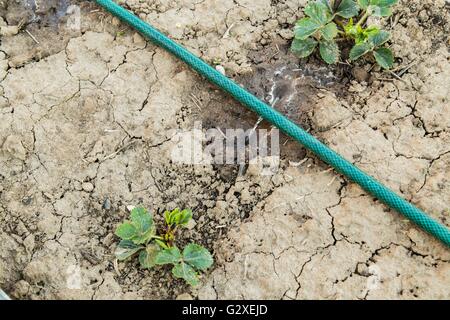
[{"x": 341, "y": 165}]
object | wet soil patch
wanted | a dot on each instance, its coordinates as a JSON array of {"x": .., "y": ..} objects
[
  {"x": 49, "y": 12},
  {"x": 284, "y": 82}
]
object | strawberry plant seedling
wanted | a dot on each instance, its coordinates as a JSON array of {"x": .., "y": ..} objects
[
  {"x": 329, "y": 21},
  {"x": 139, "y": 238}
]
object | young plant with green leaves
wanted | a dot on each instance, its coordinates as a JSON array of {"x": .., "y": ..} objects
[
  {"x": 139, "y": 238},
  {"x": 328, "y": 22}
]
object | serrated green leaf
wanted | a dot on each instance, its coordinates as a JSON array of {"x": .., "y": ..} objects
[
  {"x": 379, "y": 37},
  {"x": 124, "y": 254},
  {"x": 147, "y": 257},
  {"x": 347, "y": 9},
  {"x": 377, "y": 11},
  {"x": 363, "y": 4},
  {"x": 329, "y": 32},
  {"x": 383, "y": 3},
  {"x": 141, "y": 219},
  {"x": 318, "y": 12},
  {"x": 126, "y": 231},
  {"x": 126, "y": 249},
  {"x": 143, "y": 222},
  {"x": 175, "y": 216},
  {"x": 184, "y": 271},
  {"x": 327, "y": 4},
  {"x": 168, "y": 256},
  {"x": 359, "y": 50},
  {"x": 197, "y": 256},
  {"x": 384, "y": 57},
  {"x": 185, "y": 217},
  {"x": 167, "y": 217},
  {"x": 305, "y": 28},
  {"x": 303, "y": 48},
  {"x": 329, "y": 51}
]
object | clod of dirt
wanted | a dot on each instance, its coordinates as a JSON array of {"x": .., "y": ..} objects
[
  {"x": 360, "y": 74},
  {"x": 8, "y": 31}
]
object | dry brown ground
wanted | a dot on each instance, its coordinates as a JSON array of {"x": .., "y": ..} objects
[{"x": 86, "y": 120}]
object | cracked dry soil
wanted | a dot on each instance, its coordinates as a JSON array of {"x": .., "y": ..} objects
[{"x": 86, "y": 119}]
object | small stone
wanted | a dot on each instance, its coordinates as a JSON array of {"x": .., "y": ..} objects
[
  {"x": 360, "y": 74},
  {"x": 88, "y": 187},
  {"x": 221, "y": 69},
  {"x": 29, "y": 243},
  {"x": 184, "y": 296},
  {"x": 109, "y": 239},
  {"x": 115, "y": 22},
  {"x": 138, "y": 39},
  {"x": 21, "y": 289},
  {"x": 130, "y": 208},
  {"x": 13, "y": 145},
  {"x": 246, "y": 197},
  {"x": 107, "y": 204},
  {"x": 8, "y": 31},
  {"x": 191, "y": 224},
  {"x": 423, "y": 16},
  {"x": 27, "y": 200}
]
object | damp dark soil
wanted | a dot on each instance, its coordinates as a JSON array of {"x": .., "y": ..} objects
[
  {"x": 46, "y": 27},
  {"x": 46, "y": 13},
  {"x": 284, "y": 82}
]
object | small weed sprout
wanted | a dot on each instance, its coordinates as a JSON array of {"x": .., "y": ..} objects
[
  {"x": 330, "y": 21},
  {"x": 139, "y": 238}
]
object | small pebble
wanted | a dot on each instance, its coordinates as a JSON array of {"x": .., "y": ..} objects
[
  {"x": 27, "y": 201},
  {"x": 221, "y": 69},
  {"x": 88, "y": 187},
  {"x": 191, "y": 224},
  {"x": 8, "y": 31},
  {"x": 107, "y": 204},
  {"x": 29, "y": 243},
  {"x": 184, "y": 296},
  {"x": 360, "y": 74}
]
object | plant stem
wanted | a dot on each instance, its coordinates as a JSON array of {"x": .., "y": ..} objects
[
  {"x": 363, "y": 19},
  {"x": 332, "y": 4}
]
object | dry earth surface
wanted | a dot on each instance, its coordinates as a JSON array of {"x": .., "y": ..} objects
[{"x": 87, "y": 119}]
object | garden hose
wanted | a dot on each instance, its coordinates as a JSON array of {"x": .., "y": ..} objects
[{"x": 341, "y": 165}]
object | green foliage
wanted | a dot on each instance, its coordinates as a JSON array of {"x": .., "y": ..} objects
[
  {"x": 139, "y": 230},
  {"x": 384, "y": 57},
  {"x": 194, "y": 257},
  {"x": 347, "y": 9},
  {"x": 326, "y": 20},
  {"x": 139, "y": 238},
  {"x": 177, "y": 217},
  {"x": 304, "y": 48},
  {"x": 329, "y": 51}
]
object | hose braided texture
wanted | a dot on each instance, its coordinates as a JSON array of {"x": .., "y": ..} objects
[{"x": 341, "y": 165}]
